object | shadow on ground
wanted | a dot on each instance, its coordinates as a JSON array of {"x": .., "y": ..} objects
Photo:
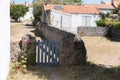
[
  {"x": 87, "y": 71},
  {"x": 29, "y": 25}
]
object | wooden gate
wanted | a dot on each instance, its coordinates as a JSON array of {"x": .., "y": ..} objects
[{"x": 47, "y": 52}]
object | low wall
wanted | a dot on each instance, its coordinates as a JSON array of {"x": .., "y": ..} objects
[
  {"x": 92, "y": 31},
  {"x": 28, "y": 44},
  {"x": 72, "y": 50}
]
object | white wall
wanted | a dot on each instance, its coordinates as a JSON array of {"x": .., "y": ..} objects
[
  {"x": 61, "y": 20},
  {"x": 78, "y": 21},
  {"x": 4, "y": 39},
  {"x": 28, "y": 15},
  {"x": 105, "y": 10},
  {"x": 55, "y": 19},
  {"x": 70, "y": 22}
]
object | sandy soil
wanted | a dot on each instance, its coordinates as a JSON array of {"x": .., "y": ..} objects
[
  {"x": 102, "y": 51},
  {"x": 18, "y": 30}
]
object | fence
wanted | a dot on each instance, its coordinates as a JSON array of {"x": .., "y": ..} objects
[{"x": 48, "y": 52}]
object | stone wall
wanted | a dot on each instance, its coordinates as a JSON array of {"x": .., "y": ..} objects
[
  {"x": 114, "y": 34},
  {"x": 15, "y": 51},
  {"x": 29, "y": 45},
  {"x": 92, "y": 31},
  {"x": 72, "y": 49}
]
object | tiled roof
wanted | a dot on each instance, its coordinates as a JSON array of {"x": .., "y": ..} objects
[
  {"x": 100, "y": 6},
  {"x": 80, "y": 9},
  {"x": 74, "y": 9},
  {"x": 108, "y": 3}
]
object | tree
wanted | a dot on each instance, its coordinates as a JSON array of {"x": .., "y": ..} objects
[
  {"x": 17, "y": 11},
  {"x": 55, "y": 2},
  {"x": 102, "y": 15},
  {"x": 72, "y": 1},
  {"x": 37, "y": 11}
]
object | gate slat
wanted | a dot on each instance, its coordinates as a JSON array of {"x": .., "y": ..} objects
[
  {"x": 53, "y": 52},
  {"x": 42, "y": 52},
  {"x": 48, "y": 52},
  {"x": 58, "y": 51},
  {"x": 38, "y": 52}
]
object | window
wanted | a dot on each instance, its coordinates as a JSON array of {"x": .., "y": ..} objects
[{"x": 86, "y": 20}]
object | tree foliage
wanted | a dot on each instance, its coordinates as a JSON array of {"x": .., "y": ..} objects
[
  {"x": 17, "y": 11},
  {"x": 37, "y": 11}
]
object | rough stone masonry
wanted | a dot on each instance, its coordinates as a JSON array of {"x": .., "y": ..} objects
[{"x": 72, "y": 49}]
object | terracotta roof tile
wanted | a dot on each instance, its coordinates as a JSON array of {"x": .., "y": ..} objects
[
  {"x": 74, "y": 9},
  {"x": 101, "y": 6}
]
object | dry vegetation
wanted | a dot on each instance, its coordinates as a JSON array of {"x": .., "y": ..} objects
[
  {"x": 81, "y": 72},
  {"x": 102, "y": 51}
]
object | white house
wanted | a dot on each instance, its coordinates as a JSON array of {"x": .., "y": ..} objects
[
  {"x": 29, "y": 14},
  {"x": 69, "y": 17},
  {"x": 104, "y": 8}
]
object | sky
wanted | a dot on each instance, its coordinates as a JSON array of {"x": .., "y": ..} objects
[
  {"x": 95, "y": 1},
  {"x": 22, "y": 1},
  {"x": 85, "y": 1}
]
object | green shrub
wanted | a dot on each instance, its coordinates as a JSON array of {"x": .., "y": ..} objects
[
  {"x": 117, "y": 25},
  {"x": 21, "y": 64},
  {"x": 101, "y": 23},
  {"x": 106, "y": 22},
  {"x": 102, "y": 15},
  {"x": 109, "y": 23}
]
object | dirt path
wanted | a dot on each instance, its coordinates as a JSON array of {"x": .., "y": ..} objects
[{"x": 18, "y": 30}]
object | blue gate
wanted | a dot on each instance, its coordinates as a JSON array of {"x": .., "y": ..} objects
[{"x": 47, "y": 52}]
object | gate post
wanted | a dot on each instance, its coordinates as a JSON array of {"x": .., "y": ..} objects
[
  {"x": 72, "y": 51},
  {"x": 29, "y": 44}
]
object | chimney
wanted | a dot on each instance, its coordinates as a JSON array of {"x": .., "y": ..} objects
[{"x": 102, "y": 2}]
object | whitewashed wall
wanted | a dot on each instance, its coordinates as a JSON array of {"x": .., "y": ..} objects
[
  {"x": 4, "y": 39},
  {"x": 55, "y": 19},
  {"x": 78, "y": 21},
  {"x": 28, "y": 15},
  {"x": 70, "y": 22},
  {"x": 61, "y": 20}
]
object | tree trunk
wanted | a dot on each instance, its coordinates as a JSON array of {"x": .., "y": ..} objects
[{"x": 16, "y": 19}]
